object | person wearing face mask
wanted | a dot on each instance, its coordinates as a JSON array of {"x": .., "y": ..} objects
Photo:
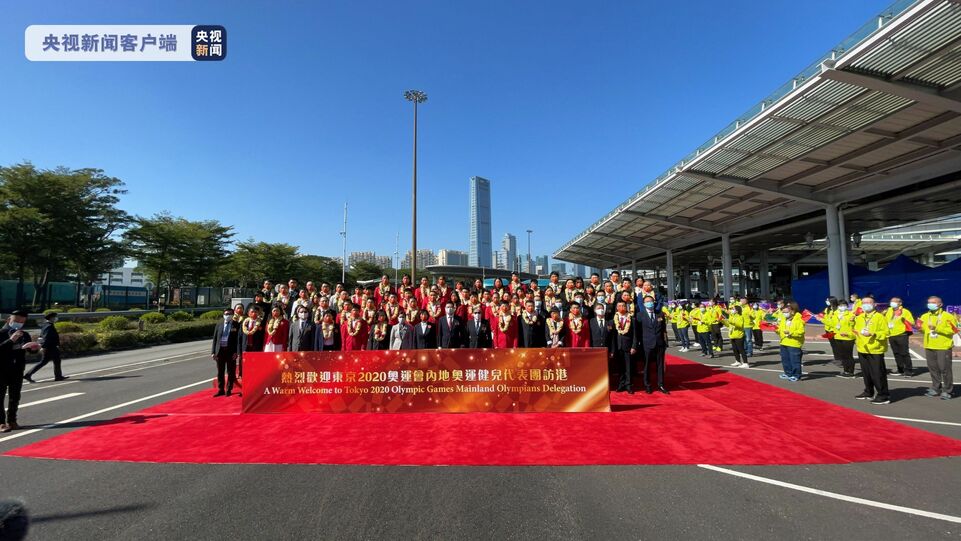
[
  {"x": 702, "y": 318},
  {"x": 900, "y": 328},
  {"x": 652, "y": 339},
  {"x": 683, "y": 318},
  {"x": 736, "y": 328},
  {"x": 939, "y": 327},
  {"x": 449, "y": 329},
  {"x": 871, "y": 339},
  {"x": 757, "y": 338},
  {"x": 855, "y": 303},
  {"x": 843, "y": 328},
  {"x": 601, "y": 331},
  {"x": 327, "y": 334},
  {"x": 478, "y": 330},
  {"x": 225, "y": 350},
  {"x": 828, "y": 319},
  {"x": 748, "y": 316},
  {"x": 579, "y": 332},
  {"x": 14, "y": 343},
  {"x": 402, "y": 334},
  {"x": 791, "y": 331},
  {"x": 625, "y": 346},
  {"x": 50, "y": 349},
  {"x": 531, "y": 327},
  {"x": 300, "y": 336}
]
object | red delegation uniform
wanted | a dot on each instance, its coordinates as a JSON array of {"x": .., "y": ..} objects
[
  {"x": 357, "y": 342},
  {"x": 279, "y": 335},
  {"x": 422, "y": 296},
  {"x": 580, "y": 339},
  {"x": 381, "y": 298},
  {"x": 392, "y": 312},
  {"x": 504, "y": 339},
  {"x": 462, "y": 312}
]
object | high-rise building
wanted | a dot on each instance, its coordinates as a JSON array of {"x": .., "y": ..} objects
[
  {"x": 559, "y": 268},
  {"x": 509, "y": 247},
  {"x": 479, "y": 237},
  {"x": 540, "y": 266},
  {"x": 451, "y": 257},
  {"x": 424, "y": 257},
  {"x": 382, "y": 261},
  {"x": 579, "y": 270},
  {"x": 500, "y": 260}
]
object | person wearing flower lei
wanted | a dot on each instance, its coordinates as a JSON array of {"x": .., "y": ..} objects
[
  {"x": 515, "y": 285},
  {"x": 379, "y": 333},
  {"x": 505, "y": 331},
  {"x": 555, "y": 329},
  {"x": 554, "y": 284},
  {"x": 392, "y": 309},
  {"x": 252, "y": 338},
  {"x": 384, "y": 290},
  {"x": 370, "y": 312},
  {"x": 238, "y": 314},
  {"x": 354, "y": 331},
  {"x": 433, "y": 308},
  {"x": 569, "y": 291},
  {"x": 423, "y": 292},
  {"x": 625, "y": 346},
  {"x": 498, "y": 289},
  {"x": 580, "y": 335},
  {"x": 328, "y": 338},
  {"x": 276, "y": 331}
]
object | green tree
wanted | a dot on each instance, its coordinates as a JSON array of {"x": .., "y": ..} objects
[
  {"x": 365, "y": 270},
  {"x": 252, "y": 261},
  {"x": 319, "y": 269},
  {"x": 174, "y": 251}
]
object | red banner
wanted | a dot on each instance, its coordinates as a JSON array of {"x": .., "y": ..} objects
[{"x": 436, "y": 380}]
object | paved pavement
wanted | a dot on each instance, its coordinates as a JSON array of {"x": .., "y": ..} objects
[{"x": 109, "y": 500}]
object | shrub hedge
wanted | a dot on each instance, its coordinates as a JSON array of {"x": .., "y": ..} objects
[
  {"x": 211, "y": 315},
  {"x": 181, "y": 316},
  {"x": 153, "y": 317},
  {"x": 75, "y": 343},
  {"x": 64, "y": 327},
  {"x": 114, "y": 323}
]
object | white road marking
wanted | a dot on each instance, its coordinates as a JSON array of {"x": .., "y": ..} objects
[
  {"x": 51, "y": 399},
  {"x": 835, "y": 495},
  {"x": 32, "y": 388},
  {"x": 918, "y": 379},
  {"x": 126, "y": 365},
  {"x": 919, "y": 420},
  {"x": 20, "y": 434}
]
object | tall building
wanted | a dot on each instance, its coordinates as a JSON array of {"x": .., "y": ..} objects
[
  {"x": 559, "y": 268},
  {"x": 500, "y": 260},
  {"x": 424, "y": 257},
  {"x": 479, "y": 237},
  {"x": 382, "y": 261},
  {"x": 123, "y": 276},
  {"x": 451, "y": 257},
  {"x": 579, "y": 270},
  {"x": 540, "y": 265},
  {"x": 509, "y": 247}
]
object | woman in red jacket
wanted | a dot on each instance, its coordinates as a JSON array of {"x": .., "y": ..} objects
[
  {"x": 504, "y": 328},
  {"x": 276, "y": 331},
  {"x": 579, "y": 330}
]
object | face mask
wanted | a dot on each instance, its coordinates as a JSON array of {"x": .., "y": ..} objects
[
  {"x": 15, "y": 326},
  {"x": 600, "y": 313},
  {"x": 450, "y": 311},
  {"x": 227, "y": 318},
  {"x": 537, "y": 304},
  {"x": 786, "y": 313},
  {"x": 477, "y": 317},
  {"x": 932, "y": 307},
  {"x": 704, "y": 309},
  {"x": 895, "y": 304},
  {"x": 600, "y": 298},
  {"x": 579, "y": 299},
  {"x": 649, "y": 305},
  {"x": 827, "y": 303},
  {"x": 558, "y": 304},
  {"x": 842, "y": 308},
  {"x": 867, "y": 307},
  {"x": 400, "y": 320}
]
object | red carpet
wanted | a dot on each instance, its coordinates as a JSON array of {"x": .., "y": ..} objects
[{"x": 710, "y": 417}]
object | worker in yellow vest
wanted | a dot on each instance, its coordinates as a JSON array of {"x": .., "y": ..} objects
[
  {"x": 717, "y": 340},
  {"x": 939, "y": 328},
  {"x": 683, "y": 321},
  {"x": 748, "y": 314},
  {"x": 871, "y": 339},
  {"x": 900, "y": 326},
  {"x": 702, "y": 318},
  {"x": 843, "y": 327},
  {"x": 735, "y": 323},
  {"x": 855, "y": 303},
  {"x": 757, "y": 341},
  {"x": 791, "y": 330},
  {"x": 828, "y": 318}
]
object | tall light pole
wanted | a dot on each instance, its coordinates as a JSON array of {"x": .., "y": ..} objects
[
  {"x": 396, "y": 258},
  {"x": 530, "y": 265},
  {"x": 417, "y": 97},
  {"x": 343, "y": 267}
]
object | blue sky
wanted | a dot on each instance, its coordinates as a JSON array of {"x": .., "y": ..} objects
[{"x": 568, "y": 107}]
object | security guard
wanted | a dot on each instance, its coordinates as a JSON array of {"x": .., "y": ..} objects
[
  {"x": 871, "y": 337},
  {"x": 939, "y": 328},
  {"x": 900, "y": 326}
]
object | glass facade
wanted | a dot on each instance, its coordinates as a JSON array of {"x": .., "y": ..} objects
[{"x": 479, "y": 252}]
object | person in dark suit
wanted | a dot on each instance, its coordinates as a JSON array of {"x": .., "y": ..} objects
[
  {"x": 251, "y": 335},
  {"x": 652, "y": 337},
  {"x": 449, "y": 328},
  {"x": 602, "y": 331},
  {"x": 379, "y": 337},
  {"x": 300, "y": 337},
  {"x": 14, "y": 343},
  {"x": 327, "y": 333},
  {"x": 425, "y": 337},
  {"x": 625, "y": 346},
  {"x": 532, "y": 327},
  {"x": 479, "y": 330},
  {"x": 50, "y": 349},
  {"x": 225, "y": 350}
]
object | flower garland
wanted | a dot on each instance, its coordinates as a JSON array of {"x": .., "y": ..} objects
[
  {"x": 529, "y": 318},
  {"x": 622, "y": 328},
  {"x": 354, "y": 326},
  {"x": 504, "y": 322},
  {"x": 576, "y": 324},
  {"x": 391, "y": 310},
  {"x": 328, "y": 330},
  {"x": 380, "y": 331},
  {"x": 555, "y": 327},
  {"x": 384, "y": 290},
  {"x": 433, "y": 310},
  {"x": 273, "y": 324},
  {"x": 248, "y": 329}
]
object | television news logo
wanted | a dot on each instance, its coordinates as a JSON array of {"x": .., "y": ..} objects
[{"x": 125, "y": 43}]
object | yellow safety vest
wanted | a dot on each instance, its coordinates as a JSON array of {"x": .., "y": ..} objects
[
  {"x": 683, "y": 319},
  {"x": 736, "y": 324},
  {"x": 943, "y": 324},
  {"x": 877, "y": 340},
  {"x": 843, "y": 327},
  {"x": 791, "y": 332},
  {"x": 830, "y": 319},
  {"x": 898, "y": 325},
  {"x": 748, "y": 315}
]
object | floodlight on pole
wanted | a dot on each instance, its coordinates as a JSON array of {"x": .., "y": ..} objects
[{"x": 415, "y": 96}]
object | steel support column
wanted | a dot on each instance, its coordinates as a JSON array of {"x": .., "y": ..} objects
[
  {"x": 763, "y": 274},
  {"x": 669, "y": 257},
  {"x": 835, "y": 261},
  {"x": 726, "y": 265}
]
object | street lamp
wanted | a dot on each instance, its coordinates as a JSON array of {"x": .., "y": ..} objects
[
  {"x": 530, "y": 266},
  {"x": 415, "y": 96}
]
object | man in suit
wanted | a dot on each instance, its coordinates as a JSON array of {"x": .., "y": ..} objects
[
  {"x": 652, "y": 337},
  {"x": 449, "y": 328},
  {"x": 425, "y": 337},
  {"x": 402, "y": 334},
  {"x": 225, "y": 350},
  {"x": 625, "y": 346},
  {"x": 301, "y": 334},
  {"x": 602, "y": 331},
  {"x": 532, "y": 327},
  {"x": 479, "y": 330},
  {"x": 14, "y": 343},
  {"x": 50, "y": 348}
]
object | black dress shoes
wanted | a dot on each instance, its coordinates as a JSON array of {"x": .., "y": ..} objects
[
  {"x": 630, "y": 390},
  {"x": 219, "y": 393},
  {"x": 647, "y": 389},
  {"x": 663, "y": 389}
]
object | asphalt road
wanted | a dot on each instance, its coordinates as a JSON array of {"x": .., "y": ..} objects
[{"x": 109, "y": 500}]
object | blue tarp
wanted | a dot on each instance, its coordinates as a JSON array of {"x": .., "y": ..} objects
[{"x": 903, "y": 278}]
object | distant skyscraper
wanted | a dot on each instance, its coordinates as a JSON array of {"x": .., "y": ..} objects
[
  {"x": 425, "y": 257},
  {"x": 540, "y": 265},
  {"x": 559, "y": 268},
  {"x": 509, "y": 247},
  {"x": 579, "y": 270},
  {"x": 479, "y": 238}
]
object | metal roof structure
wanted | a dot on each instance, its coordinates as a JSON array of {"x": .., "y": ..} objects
[{"x": 871, "y": 129}]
